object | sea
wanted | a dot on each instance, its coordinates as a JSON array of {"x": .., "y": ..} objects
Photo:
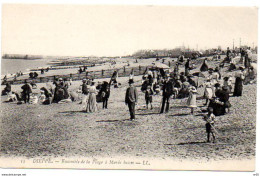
[{"x": 11, "y": 66}]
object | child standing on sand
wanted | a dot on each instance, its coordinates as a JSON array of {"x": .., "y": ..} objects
[
  {"x": 210, "y": 120},
  {"x": 148, "y": 96}
]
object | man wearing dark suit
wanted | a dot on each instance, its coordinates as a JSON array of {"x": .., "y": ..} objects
[
  {"x": 131, "y": 98},
  {"x": 167, "y": 92}
]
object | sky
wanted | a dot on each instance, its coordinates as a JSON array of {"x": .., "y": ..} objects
[{"x": 85, "y": 30}]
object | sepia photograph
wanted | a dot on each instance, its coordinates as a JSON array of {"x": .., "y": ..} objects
[{"x": 128, "y": 87}]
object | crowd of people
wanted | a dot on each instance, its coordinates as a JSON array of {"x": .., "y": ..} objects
[
  {"x": 155, "y": 82},
  {"x": 217, "y": 87}
]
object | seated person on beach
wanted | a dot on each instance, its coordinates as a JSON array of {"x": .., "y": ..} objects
[
  {"x": 34, "y": 86},
  {"x": 33, "y": 98},
  {"x": 47, "y": 98},
  {"x": 42, "y": 97},
  {"x": 11, "y": 97},
  {"x": 7, "y": 89},
  {"x": 220, "y": 103},
  {"x": 60, "y": 91},
  {"x": 35, "y": 75},
  {"x": 250, "y": 76}
]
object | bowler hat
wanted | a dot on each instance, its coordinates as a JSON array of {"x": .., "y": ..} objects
[{"x": 131, "y": 81}]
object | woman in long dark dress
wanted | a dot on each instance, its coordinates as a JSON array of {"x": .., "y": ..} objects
[
  {"x": 187, "y": 67},
  {"x": 221, "y": 102},
  {"x": 218, "y": 108},
  {"x": 239, "y": 83},
  {"x": 204, "y": 67},
  {"x": 60, "y": 92}
]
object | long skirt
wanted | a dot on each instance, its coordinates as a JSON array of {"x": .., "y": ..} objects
[
  {"x": 191, "y": 102},
  {"x": 92, "y": 103},
  {"x": 204, "y": 67},
  {"x": 208, "y": 93},
  {"x": 238, "y": 87}
]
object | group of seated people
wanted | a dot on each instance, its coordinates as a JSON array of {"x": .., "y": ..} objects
[{"x": 47, "y": 95}]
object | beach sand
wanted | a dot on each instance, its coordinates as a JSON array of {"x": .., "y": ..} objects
[{"x": 63, "y": 130}]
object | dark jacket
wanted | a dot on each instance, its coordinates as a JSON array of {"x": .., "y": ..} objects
[
  {"x": 84, "y": 89},
  {"x": 167, "y": 88},
  {"x": 131, "y": 95},
  {"x": 26, "y": 89}
]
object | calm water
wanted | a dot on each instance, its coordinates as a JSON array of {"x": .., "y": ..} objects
[{"x": 9, "y": 66}]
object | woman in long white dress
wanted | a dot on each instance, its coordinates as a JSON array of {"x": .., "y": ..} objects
[
  {"x": 208, "y": 93},
  {"x": 92, "y": 102},
  {"x": 191, "y": 102}
]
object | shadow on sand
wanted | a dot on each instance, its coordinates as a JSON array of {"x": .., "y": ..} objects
[
  {"x": 151, "y": 113},
  {"x": 113, "y": 120},
  {"x": 187, "y": 143},
  {"x": 173, "y": 115},
  {"x": 71, "y": 112}
]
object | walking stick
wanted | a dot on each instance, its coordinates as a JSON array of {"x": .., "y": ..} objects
[{"x": 213, "y": 128}]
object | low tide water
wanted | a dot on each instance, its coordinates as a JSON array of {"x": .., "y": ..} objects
[{"x": 11, "y": 66}]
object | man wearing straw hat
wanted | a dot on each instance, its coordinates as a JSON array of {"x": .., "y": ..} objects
[{"x": 131, "y": 98}]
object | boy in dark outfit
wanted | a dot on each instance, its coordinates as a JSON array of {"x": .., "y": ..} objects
[
  {"x": 26, "y": 92},
  {"x": 210, "y": 120},
  {"x": 148, "y": 97}
]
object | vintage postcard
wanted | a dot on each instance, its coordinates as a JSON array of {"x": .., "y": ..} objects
[{"x": 128, "y": 87}]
